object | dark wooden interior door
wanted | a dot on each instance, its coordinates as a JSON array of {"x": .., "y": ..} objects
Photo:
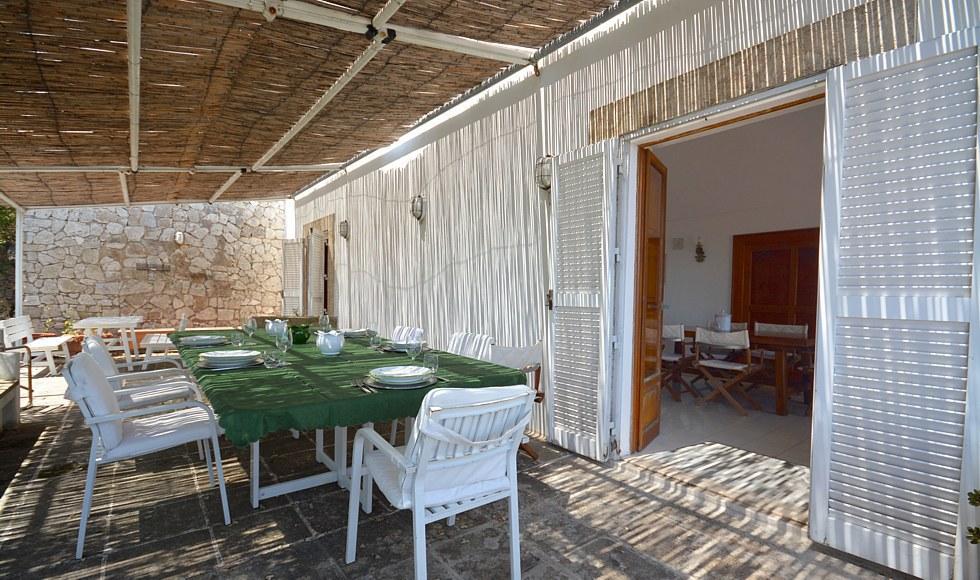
[
  {"x": 774, "y": 277},
  {"x": 648, "y": 325}
]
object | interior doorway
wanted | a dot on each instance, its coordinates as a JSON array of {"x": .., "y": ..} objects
[{"x": 733, "y": 233}]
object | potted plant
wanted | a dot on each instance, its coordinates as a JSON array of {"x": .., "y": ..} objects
[
  {"x": 68, "y": 329},
  {"x": 47, "y": 329}
]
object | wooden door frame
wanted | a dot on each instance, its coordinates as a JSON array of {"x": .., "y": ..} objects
[{"x": 645, "y": 159}]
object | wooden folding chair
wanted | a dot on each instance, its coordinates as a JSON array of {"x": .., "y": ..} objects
[
  {"x": 674, "y": 363},
  {"x": 728, "y": 374}
]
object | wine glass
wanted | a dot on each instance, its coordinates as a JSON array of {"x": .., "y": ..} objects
[
  {"x": 431, "y": 360},
  {"x": 324, "y": 322},
  {"x": 375, "y": 341},
  {"x": 249, "y": 327},
  {"x": 414, "y": 350}
]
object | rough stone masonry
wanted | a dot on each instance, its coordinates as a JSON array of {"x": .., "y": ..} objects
[{"x": 121, "y": 261}]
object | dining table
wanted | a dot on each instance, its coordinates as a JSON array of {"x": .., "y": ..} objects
[{"x": 313, "y": 392}]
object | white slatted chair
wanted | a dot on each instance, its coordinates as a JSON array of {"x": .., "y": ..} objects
[
  {"x": 407, "y": 334},
  {"x": 156, "y": 346},
  {"x": 729, "y": 374},
  {"x": 526, "y": 359},
  {"x": 118, "y": 375},
  {"x": 675, "y": 363},
  {"x": 471, "y": 345},
  {"x": 19, "y": 331},
  {"x": 118, "y": 435},
  {"x": 462, "y": 454}
]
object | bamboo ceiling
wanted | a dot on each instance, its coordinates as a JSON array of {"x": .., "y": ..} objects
[{"x": 220, "y": 86}]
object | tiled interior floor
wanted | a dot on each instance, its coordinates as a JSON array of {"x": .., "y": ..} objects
[
  {"x": 686, "y": 423},
  {"x": 156, "y": 517}
]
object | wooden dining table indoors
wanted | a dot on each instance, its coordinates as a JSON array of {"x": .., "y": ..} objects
[{"x": 781, "y": 347}]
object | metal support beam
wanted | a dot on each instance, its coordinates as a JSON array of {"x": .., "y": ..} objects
[
  {"x": 224, "y": 186},
  {"x": 19, "y": 263},
  {"x": 5, "y": 199},
  {"x": 134, "y": 23},
  {"x": 317, "y": 14},
  {"x": 124, "y": 185}
]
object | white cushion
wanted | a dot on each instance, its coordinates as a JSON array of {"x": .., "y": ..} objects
[
  {"x": 88, "y": 386},
  {"x": 144, "y": 435},
  {"x": 97, "y": 350},
  {"x": 388, "y": 476},
  {"x": 157, "y": 340},
  {"x": 137, "y": 397},
  {"x": 723, "y": 364},
  {"x": 48, "y": 342}
]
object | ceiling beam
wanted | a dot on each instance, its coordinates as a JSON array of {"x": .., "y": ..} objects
[
  {"x": 224, "y": 186},
  {"x": 313, "y": 168},
  {"x": 124, "y": 185},
  {"x": 10, "y": 202},
  {"x": 134, "y": 23},
  {"x": 323, "y": 16}
]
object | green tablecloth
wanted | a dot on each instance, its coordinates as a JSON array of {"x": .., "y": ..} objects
[{"x": 314, "y": 391}]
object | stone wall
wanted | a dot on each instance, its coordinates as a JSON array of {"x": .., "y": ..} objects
[{"x": 110, "y": 261}]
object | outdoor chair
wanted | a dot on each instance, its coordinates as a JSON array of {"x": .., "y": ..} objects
[
  {"x": 728, "y": 373},
  {"x": 405, "y": 334},
  {"x": 157, "y": 342},
  {"x": 471, "y": 345},
  {"x": 118, "y": 375},
  {"x": 675, "y": 363},
  {"x": 461, "y": 454},
  {"x": 19, "y": 331},
  {"x": 526, "y": 359},
  {"x": 118, "y": 435}
]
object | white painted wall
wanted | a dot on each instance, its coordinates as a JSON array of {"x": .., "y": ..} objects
[{"x": 761, "y": 177}]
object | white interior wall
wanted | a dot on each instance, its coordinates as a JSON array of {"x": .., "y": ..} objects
[{"x": 760, "y": 177}]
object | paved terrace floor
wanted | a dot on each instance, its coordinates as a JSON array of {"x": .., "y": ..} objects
[{"x": 706, "y": 511}]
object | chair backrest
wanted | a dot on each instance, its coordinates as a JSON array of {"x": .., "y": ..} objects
[
  {"x": 672, "y": 332},
  {"x": 89, "y": 389},
  {"x": 463, "y": 438},
  {"x": 17, "y": 330},
  {"x": 522, "y": 358},
  {"x": 94, "y": 347},
  {"x": 406, "y": 334},
  {"x": 736, "y": 326},
  {"x": 787, "y": 330},
  {"x": 738, "y": 339},
  {"x": 471, "y": 345}
]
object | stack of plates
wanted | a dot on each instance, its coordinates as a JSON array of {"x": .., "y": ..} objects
[
  {"x": 401, "y": 375},
  {"x": 204, "y": 340},
  {"x": 229, "y": 359},
  {"x": 400, "y": 346},
  {"x": 357, "y": 332}
]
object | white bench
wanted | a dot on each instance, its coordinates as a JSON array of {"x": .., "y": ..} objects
[{"x": 19, "y": 331}]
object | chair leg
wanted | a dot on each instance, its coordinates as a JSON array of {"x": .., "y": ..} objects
[
  {"x": 221, "y": 479},
  {"x": 394, "y": 432},
  {"x": 354, "y": 503},
  {"x": 515, "y": 535},
  {"x": 49, "y": 355},
  {"x": 418, "y": 541},
  {"x": 451, "y": 520},
  {"x": 294, "y": 433},
  {"x": 86, "y": 502},
  {"x": 207, "y": 459},
  {"x": 526, "y": 448},
  {"x": 200, "y": 451}
]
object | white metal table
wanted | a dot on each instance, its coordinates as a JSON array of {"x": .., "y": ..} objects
[{"x": 126, "y": 325}]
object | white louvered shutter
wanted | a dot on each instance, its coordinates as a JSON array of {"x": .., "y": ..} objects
[
  {"x": 583, "y": 223},
  {"x": 314, "y": 261},
  {"x": 895, "y": 418},
  {"x": 292, "y": 277}
]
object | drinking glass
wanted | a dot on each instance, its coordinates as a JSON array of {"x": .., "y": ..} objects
[
  {"x": 271, "y": 359},
  {"x": 324, "y": 322},
  {"x": 413, "y": 350},
  {"x": 238, "y": 339},
  {"x": 249, "y": 327},
  {"x": 431, "y": 360},
  {"x": 284, "y": 341},
  {"x": 375, "y": 341}
]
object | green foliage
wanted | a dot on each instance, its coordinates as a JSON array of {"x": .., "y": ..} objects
[
  {"x": 974, "y": 497},
  {"x": 68, "y": 327},
  {"x": 973, "y": 534}
]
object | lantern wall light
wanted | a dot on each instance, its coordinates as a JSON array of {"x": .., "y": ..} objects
[
  {"x": 418, "y": 207},
  {"x": 343, "y": 228}
]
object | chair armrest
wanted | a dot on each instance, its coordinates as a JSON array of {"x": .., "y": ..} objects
[
  {"x": 156, "y": 410},
  {"x": 381, "y": 444},
  {"x": 149, "y": 375}
]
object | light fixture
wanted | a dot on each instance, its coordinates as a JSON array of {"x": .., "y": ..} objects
[
  {"x": 418, "y": 207},
  {"x": 343, "y": 228},
  {"x": 699, "y": 255},
  {"x": 542, "y": 173}
]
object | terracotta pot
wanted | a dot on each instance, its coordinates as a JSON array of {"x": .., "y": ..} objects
[{"x": 75, "y": 345}]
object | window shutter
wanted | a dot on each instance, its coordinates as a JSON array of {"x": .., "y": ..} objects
[
  {"x": 292, "y": 277},
  {"x": 583, "y": 220},
  {"x": 315, "y": 271},
  {"x": 895, "y": 434}
]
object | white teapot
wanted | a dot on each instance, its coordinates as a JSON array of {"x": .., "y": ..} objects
[{"x": 329, "y": 343}]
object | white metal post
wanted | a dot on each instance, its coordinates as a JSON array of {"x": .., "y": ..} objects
[{"x": 19, "y": 264}]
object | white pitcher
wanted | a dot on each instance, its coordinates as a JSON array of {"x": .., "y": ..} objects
[{"x": 329, "y": 343}]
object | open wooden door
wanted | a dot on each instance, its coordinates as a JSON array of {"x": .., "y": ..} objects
[{"x": 650, "y": 211}]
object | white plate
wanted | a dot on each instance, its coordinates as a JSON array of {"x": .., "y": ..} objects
[
  {"x": 246, "y": 365},
  {"x": 372, "y": 382},
  {"x": 204, "y": 340},
  {"x": 400, "y": 375},
  {"x": 229, "y": 355}
]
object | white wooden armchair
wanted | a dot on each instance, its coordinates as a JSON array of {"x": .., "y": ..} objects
[
  {"x": 461, "y": 454},
  {"x": 19, "y": 331},
  {"x": 471, "y": 345},
  {"x": 118, "y": 435}
]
